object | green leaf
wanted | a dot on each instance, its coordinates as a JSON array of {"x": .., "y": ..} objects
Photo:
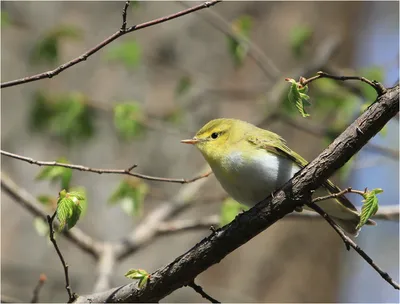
[
  {"x": 370, "y": 206},
  {"x": 238, "y": 45},
  {"x": 47, "y": 48},
  {"x": 127, "y": 53},
  {"x": 138, "y": 274},
  {"x": 55, "y": 173},
  {"x": 299, "y": 36},
  {"x": 183, "y": 86},
  {"x": 5, "y": 19},
  {"x": 230, "y": 209},
  {"x": 41, "y": 226},
  {"x": 69, "y": 210},
  {"x": 80, "y": 194},
  {"x": 127, "y": 117},
  {"x": 298, "y": 96},
  {"x": 130, "y": 194}
]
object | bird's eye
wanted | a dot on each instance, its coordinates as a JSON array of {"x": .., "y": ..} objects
[{"x": 214, "y": 135}]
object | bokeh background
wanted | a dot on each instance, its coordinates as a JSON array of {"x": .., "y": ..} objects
[{"x": 168, "y": 80}]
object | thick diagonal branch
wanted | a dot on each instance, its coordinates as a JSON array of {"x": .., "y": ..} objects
[{"x": 293, "y": 194}]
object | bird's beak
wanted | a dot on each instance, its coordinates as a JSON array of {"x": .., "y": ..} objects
[{"x": 192, "y": 141}]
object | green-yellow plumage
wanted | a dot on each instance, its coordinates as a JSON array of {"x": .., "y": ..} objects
[{"x": 250, "y": 163}]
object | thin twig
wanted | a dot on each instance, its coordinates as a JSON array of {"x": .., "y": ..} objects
[
  {"x": 119, "y": 33},
  {"x": 36, "y": 291},
  {"x": 124, "y": 11},
  {"x": 105, "y": 171},
  {"x": 30, "y": 203},
  {"x": 350, "y": 243},
  {"x": 71, "y": 296},
  {"x": 378, "y": 87},
  {"x": 201, "y": 292}
]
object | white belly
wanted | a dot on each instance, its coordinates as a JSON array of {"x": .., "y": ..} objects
[{"x": 250, "y": 181}]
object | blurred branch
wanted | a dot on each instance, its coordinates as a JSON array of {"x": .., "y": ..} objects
[
  {"x": 148, "y": 228},
  {"x": 250, "y": 223},
  {"x": 255, "y": 52},
  {"x": 105, "y": 267},
  {"x": 119, "y": 33},
  {"x": 26, "y": 200},
  {"x": 388, "y": 213},
  {"x": 36, "y": 291},
  {"x": 201, "y": 292},
  {"x": 105, "y": 171},
  {"x": 71, "y": 295},
  {"x": 319, "y": 131}
]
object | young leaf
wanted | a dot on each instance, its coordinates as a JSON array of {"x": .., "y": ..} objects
[
  {"x": 370, "y": 206},
  {"x": 130, "y": 194},
  {"x": 298, "y": 96},
  {"x": 299, "y": 36},
  {"x": 138, "y": 274},
  {"x": 127, "y": 53},
  {"x": 80, "y": 194},
  {"x": 68, "y": 209},
  {"x": 230, "y": 208},
  {"x": 55, "y": 173},
  {"x": 238, "y": 47},
  {"x": 127, "y": 118}
]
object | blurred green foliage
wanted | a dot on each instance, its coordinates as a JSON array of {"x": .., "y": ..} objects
[
  {"x": 238, "y": 45},
  {"x": 5, "y": 19},
  {"x": 66, "y": 116},
  {"x": 229, "y": 210},
  {"x": 183, "y": 86},
  {"x": 57, "y": 174},
  {"x": 47, "y": 50},
  {"x": 130, "y": 194},
  {"x": 127, "y": 118},
  {"x": 128, "y": 53},
  {"x": 299, "y": 36}
]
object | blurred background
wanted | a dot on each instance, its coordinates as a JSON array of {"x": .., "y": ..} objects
[{"x": 134, "y": 100}]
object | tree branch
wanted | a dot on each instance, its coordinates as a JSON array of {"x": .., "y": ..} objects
[
  {"x": 201, "y": 292},
  {"x": 105, "y": 171},
  {"x": 293, "y": 194},
  {"x": 36, "y": 291},
  {"x": 25, "y": 199},
  {"x": 105, "y": 267},
  {"x": 119, "y": 33},
  {"x": 71, "y": 295}
]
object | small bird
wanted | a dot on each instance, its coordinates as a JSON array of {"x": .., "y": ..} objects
[{"x": 250, "y": 163}]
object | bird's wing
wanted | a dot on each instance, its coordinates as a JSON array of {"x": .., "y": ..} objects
[{"x": 275, "y": 144}]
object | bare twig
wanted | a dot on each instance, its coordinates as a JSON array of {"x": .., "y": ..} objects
[
  {"x": 124, "y": 11},
  {"x": 24, "y": 198},
  {"x": 71, "y": 296},
  {"x": 350, "y": 243},
  {"x": 36, "y": 291},
  {"x": 201, "y": 292},
  {"x": 105, "y": 171},
  {"x": 119, "y": 33},
  {"x": 378, "y": 87}
]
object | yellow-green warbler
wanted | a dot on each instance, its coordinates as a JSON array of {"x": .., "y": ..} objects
[{"x": 250, "y": 163}]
